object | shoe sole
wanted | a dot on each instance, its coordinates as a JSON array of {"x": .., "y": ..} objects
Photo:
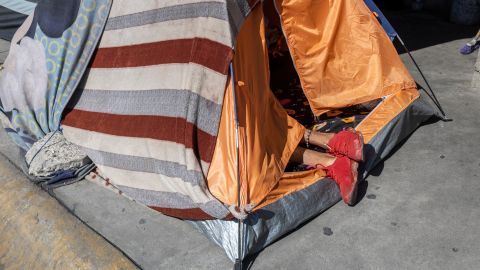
[
  {"x": 353, "y": 194},
  {"x": 359, "y": 156}
]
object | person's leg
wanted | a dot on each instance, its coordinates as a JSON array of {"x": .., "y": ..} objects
[
  {"x": 472, "y": 45},
  {"x": 345, "y": 143},
  {"x": 477, "y": 36},
  {"x": 312, "y": 158},
  {"x": 318, "y": 138},
  {"x": 341, "y": 169}
]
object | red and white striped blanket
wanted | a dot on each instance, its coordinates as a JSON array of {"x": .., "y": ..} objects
[{"x": 148, "y": 109}]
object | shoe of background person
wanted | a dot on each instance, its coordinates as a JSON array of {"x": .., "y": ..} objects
[{"x": 470, "y": 47}]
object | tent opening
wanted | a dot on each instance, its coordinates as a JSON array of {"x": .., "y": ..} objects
[{"x": 286, "y": 86}]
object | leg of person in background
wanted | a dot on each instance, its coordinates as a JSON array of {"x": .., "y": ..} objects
[{"x": 472, "y": 45}]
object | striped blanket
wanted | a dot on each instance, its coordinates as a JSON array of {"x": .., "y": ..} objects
[{"x": 148, "y": 109}]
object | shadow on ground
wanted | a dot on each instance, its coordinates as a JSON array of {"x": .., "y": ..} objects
[{"x": 378, "y": 169}]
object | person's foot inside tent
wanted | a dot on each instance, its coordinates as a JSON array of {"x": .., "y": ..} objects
[{"x": 345, "y": 150}]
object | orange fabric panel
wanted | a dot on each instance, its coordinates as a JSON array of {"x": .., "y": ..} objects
[
  {"x": 268, "y": 136},
  {"x": 341, "y": 53},
  {"x": 291, "y": 182},
  {"x": 386, "y": 111}
]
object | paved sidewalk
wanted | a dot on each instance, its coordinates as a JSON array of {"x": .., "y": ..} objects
[
  {"x": 38, "y": 233},
  {"x": 476, "y": 74}
]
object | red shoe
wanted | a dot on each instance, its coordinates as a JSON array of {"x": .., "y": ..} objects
[
  {"x": 347, "y": 143},
  {"x": 344, "y": 172}
]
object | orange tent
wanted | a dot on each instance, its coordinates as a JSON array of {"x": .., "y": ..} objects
[{"x": 343, "y": 58}]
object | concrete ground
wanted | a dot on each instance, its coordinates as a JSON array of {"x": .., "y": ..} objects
[
  {"x": 38, "y": 233},
  {"x": 420, "y": 209}
]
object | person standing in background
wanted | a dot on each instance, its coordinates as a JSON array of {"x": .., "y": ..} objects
[{"x": 472, "y": 45}]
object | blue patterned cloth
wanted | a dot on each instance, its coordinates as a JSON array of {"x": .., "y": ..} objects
[{"x": 68, "y": 39}]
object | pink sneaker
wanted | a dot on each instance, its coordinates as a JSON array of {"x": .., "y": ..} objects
[
  {"x": 344, "y": 172},
  {"x": 347, "y": 143}
]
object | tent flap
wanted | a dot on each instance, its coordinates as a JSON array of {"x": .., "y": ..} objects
[{"x": 342, "y": 55}]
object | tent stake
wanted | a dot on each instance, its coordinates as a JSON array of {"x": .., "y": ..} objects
[
  {"x": 238, "y": 260},
  {"x": 433, "y": 97}
]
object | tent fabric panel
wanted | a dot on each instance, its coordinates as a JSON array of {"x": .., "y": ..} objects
[
  {"x": 382, "y": 19},
  {"x": 268, "y": 136},
  {"x": 385, "y": 112},
  {"x": 291, "y": 182},
  {"x": 341, "y": 53}
]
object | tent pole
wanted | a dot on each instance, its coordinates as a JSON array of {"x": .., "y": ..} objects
[
  {"x": 433, "y": 96},
  {"x": 238, "y": 260}
]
